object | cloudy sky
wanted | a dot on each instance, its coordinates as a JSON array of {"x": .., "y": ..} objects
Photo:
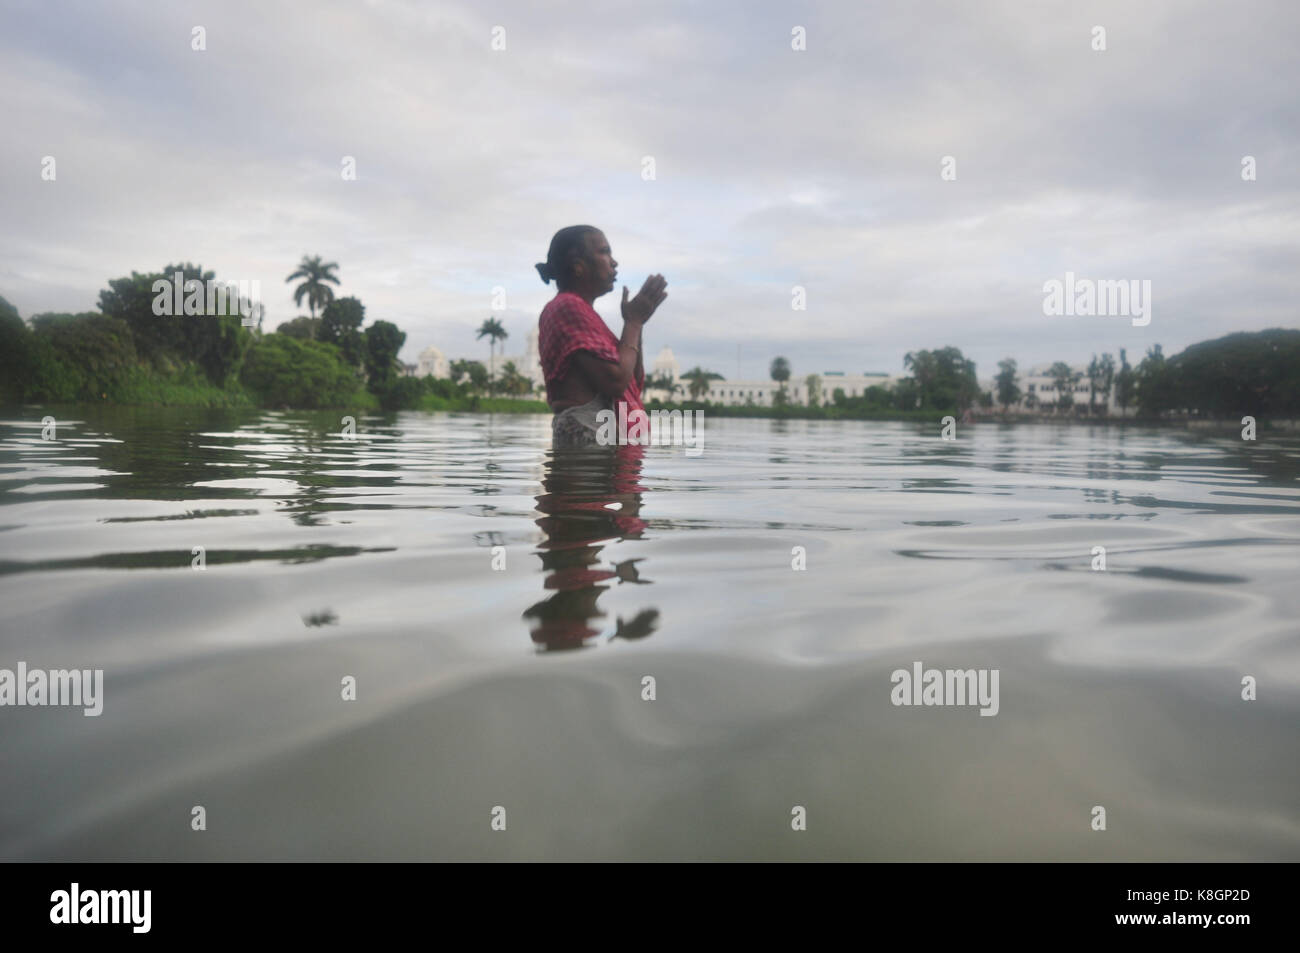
[{"x": 773, "y": 167}]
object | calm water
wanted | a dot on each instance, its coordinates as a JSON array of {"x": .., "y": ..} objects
[{"x": 521, "y": 686}]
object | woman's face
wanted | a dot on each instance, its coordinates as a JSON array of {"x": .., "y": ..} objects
[{"x": 601, "y": 268}]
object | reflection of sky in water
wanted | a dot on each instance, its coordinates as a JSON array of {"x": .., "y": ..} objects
[{"x": 373, "y": 557}]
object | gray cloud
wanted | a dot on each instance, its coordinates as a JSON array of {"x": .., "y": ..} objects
[{"x": 774, "y": 167}]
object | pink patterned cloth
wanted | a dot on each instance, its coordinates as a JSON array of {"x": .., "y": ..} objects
[{"x": 567, "y": 325}]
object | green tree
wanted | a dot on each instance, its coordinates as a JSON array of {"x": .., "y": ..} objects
[
  {"x": 1064, "y": 379},
  {"x": 216, "y": 339},
  {"x": 1106, "y": 367},
  {"x": 1125, "y": 383},
  {"x": 219, "y": 344},
  {"x": 403, "y": 392},
  {"x": 131, "y": 299},
  {"x": 383, "y": 341},
  {"x": 697, "y": 380},
  {"x": 493, "y": 331},
  {"x": 473, "y": 373},
  {"x": 814, "y": 384},
  {"x": 663, "y": 381},
  {"x": 16, "y": 355},
  {"x": 302, "y": 327},
  {"x": 907, "y": 394},
  {"x": 384, "y": 378},
  {"x": 1094, "y": 383},
  {"x": 925, "y": 373},
  {"x": 513, "y": 382},
  {"x": 944, "y": 379},
  {"x": 315, "y": 286},
  {"x": 1155, "y": 383},
  {"x": 780, "y": 372},
  {"x": 1008, "y": 391},
  {"x": 878, "y": 396},
  {"x": 98, "y": 347},
  {"x": 1247, "y": 372},
  {"x": 31, "y": 368},
  {"x": 284, "y": 371},
  {"x": 340, "y": 325}
]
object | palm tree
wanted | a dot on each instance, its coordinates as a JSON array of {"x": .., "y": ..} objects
[
  {"x": 663, "y": 381},
  {"x": 493, "y": 331},
  {"x": 699, "y": 380},
  {"x": 318, "y": 293}
]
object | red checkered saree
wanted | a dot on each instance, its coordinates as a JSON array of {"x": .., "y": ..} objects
[{"x": 567, "y": 325}]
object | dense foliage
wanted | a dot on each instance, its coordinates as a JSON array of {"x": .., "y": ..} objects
[
  {"x": 1243, "y": 373},
  {"x": 283, "y": 371}
]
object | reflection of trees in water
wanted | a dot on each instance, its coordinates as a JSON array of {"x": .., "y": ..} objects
[
  {"x": 173, "y": 453},
  {"x": 589, "y": 497}
]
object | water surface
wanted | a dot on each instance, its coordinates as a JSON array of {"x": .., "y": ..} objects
[{"x": 500, "y": 608}]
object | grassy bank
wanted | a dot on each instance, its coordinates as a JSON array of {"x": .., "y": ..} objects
[{"x": 191, "y": 388}]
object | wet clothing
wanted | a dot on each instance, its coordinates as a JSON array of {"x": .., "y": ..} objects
[
  {"x": 568, "y": 325},
  {"x": 577, "y": 426}
]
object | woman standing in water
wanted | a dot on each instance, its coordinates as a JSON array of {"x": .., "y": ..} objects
[{"x": 586, "y": 368}]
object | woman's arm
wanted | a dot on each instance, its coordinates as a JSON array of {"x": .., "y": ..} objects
[{"x": 609, "y": 378}]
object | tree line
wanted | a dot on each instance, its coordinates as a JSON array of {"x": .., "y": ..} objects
[
  {"x": 127, "y": 353},
  {"x": 1255, "y": 373}
]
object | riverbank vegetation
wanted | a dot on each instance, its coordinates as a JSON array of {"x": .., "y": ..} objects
[{"x": 218, "y": 355}]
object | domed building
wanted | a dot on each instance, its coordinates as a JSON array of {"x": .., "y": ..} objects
[
  {"x": 432, "y": 362},
  {"x": 666, "y": 365}
]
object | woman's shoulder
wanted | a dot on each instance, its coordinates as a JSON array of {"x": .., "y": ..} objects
[
  {"x": 566, "y": 299},
  {"x": 566, "y": 304}
]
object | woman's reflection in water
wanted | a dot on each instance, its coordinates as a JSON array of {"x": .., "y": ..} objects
[{"x": 589, "y": 496}]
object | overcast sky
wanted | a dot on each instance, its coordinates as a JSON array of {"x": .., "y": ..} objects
[{"x": 773, "y": 167}]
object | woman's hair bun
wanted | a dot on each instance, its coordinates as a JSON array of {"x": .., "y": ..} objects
[{"x": 544, "y": 270}]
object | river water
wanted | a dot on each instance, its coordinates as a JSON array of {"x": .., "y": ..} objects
[{"x": 647, "y": 655}]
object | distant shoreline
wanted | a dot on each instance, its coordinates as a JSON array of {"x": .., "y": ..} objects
[{"x": 508, "y": 405}]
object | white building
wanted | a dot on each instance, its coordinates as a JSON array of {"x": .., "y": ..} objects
[
  {"x": 1036, "y": 381},
  {"x": 433, "y": 362},
  {"x": 665, "y": 363},
  {"x": 762, "y": 393}
]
